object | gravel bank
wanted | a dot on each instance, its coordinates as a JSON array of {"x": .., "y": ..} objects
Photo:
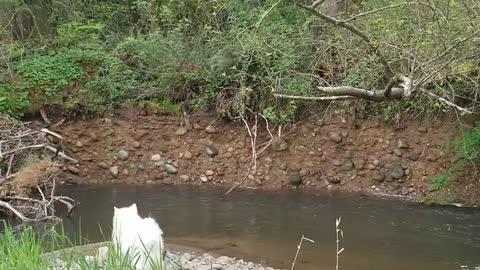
[{"x": 174, "y": 260}]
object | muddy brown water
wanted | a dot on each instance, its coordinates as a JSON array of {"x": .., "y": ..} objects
[{"x": 267, "y": 226}]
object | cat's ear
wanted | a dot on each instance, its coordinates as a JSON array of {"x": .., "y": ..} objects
[{"x": 134, "y": 207}]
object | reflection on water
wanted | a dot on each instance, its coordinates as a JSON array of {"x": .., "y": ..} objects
[{"x": 266, "y": 227}]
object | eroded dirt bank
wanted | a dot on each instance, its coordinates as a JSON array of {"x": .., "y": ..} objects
[{"x": 368, "y": 157}]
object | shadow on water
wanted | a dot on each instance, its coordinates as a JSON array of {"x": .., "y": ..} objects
[{"x": 266, "y": 226}]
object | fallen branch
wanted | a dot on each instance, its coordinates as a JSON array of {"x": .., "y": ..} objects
[
  {"x": 61, "y": 154},
  {"x": 449, "y": 103},
  {"x": 337, "y": 98},
  {"x": 13, "y": 210}
]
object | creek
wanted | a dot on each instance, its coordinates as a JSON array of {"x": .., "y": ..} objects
[{"x": 266, "y": 227}]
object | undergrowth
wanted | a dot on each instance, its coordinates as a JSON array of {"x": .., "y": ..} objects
[
  {"x": 227, "y": 56},
  {"x": 467, "y": 151},
  {"x": 25, "y": 250}
]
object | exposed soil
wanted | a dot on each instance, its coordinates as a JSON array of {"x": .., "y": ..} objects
[{"x": 333, "y": 153}]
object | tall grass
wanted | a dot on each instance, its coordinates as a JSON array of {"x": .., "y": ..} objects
[
  {"x": 22, "y": 251},
  {"x": 26, "y": 250}
]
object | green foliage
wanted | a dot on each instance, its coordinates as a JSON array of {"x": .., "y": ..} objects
[
  {"x": 163, "y": 106},
  {"x": 199, "y": 50},
  {"x": 443, "y": 197},
  {"x": 468, "y": 147},
  {"x": 280, "y": 114},
  {"x": 26, "y": 250},
  {"x": 393, "y": 111},
  {"x": 21, "y": 252},
  {"x": 48, "y": 74},
  {"x": 13, "y": 99},
  {"x": 80, "y": 34},
  {"x": 440, "y": 181}
]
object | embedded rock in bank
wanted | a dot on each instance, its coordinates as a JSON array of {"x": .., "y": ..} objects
[
  {"x": 73, "y": 169},
  {"x": 335, "y": 137},
  {"x": 279, "y": 145},
  {"x": 181, "y": 131},
  {"x": 378, "y": 176},
  {"x": 170, "y": 169},
  {"x": 187, "y": 155},
  {"x": 156, "y": 157},
  {"x": 396, "y": 171},
  {"x": 212, "y": 151},
  {"x": 347, "y": 165},
  {"x": 122, "y": 155},
  {"x": 113, "y": 171},
  {"x": 295, "y": 179}
]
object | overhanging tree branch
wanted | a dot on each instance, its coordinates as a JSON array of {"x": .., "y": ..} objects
[{"x": 354, "y": 30}]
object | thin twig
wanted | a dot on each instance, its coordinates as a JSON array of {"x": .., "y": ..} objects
[
  {"x": 338, "y": 232},
  {"x": 449, "y": 49},
  {"x": 298, "y": 249},
  {"x": 253, "y": 161},
  {"x": 44, "y": 200},
  {"x": 317, "y": 3},
  {"x": 378, "y": 10},
  {"x": 354, "y": 30}
]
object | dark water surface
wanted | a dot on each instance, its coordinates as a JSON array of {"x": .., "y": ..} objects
[{"x": 267, "y": 226}]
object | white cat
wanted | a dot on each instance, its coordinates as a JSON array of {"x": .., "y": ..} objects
[{"x": 140, "y": 238}]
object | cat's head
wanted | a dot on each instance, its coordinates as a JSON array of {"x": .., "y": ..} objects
[{"x": 131, "y": 210}]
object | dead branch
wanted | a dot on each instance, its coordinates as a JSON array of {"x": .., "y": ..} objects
[
  {"x": 269, "y": 133},
  {"x": 337, "y": 98},
  {"x": 394, "y": 93},
  {"x": 61, "y": 154},
  {"x": 13, "y": 210},
  {"x": 450, "y": 104},
  {"x": 29, "y": 193},
  {"x": 44, "y": 130}
]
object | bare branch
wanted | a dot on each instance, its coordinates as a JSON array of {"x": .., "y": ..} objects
[
  {"x": 13, "y": 210},
  {"x": 338, "y": 98},
  {"x": 317, "y": 3},
  {"x": 394, "y": 94},
  {"x": 456, "y": 44},
  {"x": 377, "y": 10},
  {"x": 449, "y": 103},
  {"x": 354, "y": 30},
  {"x": 44, "y": 130}
]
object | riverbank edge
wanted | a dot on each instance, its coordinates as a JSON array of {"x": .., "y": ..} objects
[{"x": 357, "y": 157}]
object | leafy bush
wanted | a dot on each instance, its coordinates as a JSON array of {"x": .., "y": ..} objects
[
  {"x": 440, "y": 181},
  {"x": 162, "y": 107},
  {"x": 204, "y": 49},
  {"x": 80, "y": 34},
  {"x": 48, "y": 74},
  {"x": 468, "y": 147},
  {"x": 13, "y": 99}
]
